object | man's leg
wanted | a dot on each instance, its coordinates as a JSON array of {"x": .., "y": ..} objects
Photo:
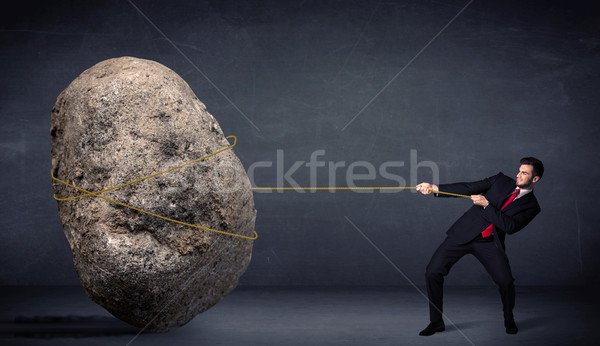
[
  {"x": 496, "y": 264},
  {"x": 440, "y": 264}
]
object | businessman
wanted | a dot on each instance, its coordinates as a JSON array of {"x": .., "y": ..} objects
[{"x": 501, "y": 205}]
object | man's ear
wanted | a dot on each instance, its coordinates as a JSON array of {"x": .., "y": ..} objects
[{"x": 536, "y": 179}]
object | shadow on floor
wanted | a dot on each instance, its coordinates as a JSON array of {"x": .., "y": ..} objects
[
  {"x": 460, "y": 326},
  {"x": 71, "y": 326}
]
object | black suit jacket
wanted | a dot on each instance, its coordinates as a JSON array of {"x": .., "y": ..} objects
[{"x": 496, "y": 189}]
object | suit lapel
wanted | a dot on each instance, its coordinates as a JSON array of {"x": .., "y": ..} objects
[
  {"x": 510, "y": 189},
  {"x": 521, "y": 201}
]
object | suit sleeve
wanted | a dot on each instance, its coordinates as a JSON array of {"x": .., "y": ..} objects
[
  {"x": 472, "y": 188},
  {"x": 507, "y": 223}
]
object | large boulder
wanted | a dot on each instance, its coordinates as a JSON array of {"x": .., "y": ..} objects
[{"x": 124, "y": 119}]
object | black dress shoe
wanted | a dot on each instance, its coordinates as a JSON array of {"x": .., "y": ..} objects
[
  {"x": 433, "y": 328},
  {"x": 511, "y": 326}
]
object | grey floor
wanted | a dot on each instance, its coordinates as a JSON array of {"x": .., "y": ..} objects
[{"x": 309, "y": 316}]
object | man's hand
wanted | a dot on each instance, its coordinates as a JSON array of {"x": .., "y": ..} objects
[
  {"x": 479, "y": 200},
  {"x": 426, "y": 188}
]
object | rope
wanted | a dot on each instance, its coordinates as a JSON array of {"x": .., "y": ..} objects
[
  {"x": 97, "y": 193},
  {"x": 358, "y": 188}
]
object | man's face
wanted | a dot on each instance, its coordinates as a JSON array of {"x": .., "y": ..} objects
[{"x": 525, "y": 178}]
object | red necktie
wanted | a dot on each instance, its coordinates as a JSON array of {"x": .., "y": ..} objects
[{"x": 488, "y": 231}]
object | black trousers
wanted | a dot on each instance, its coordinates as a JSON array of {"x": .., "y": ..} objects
[{"x": 489, "y": 252}]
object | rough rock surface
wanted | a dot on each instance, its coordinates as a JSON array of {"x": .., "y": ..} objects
[{"x": 124, "y": 119}]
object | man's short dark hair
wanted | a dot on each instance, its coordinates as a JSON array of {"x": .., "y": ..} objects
[{"x": 538, "y": 166}]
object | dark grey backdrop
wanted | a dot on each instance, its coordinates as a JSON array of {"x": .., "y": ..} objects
[{"x": 503, "y": 80}]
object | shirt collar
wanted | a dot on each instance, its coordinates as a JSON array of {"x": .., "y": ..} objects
[{"x": 522, "y": 192}]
